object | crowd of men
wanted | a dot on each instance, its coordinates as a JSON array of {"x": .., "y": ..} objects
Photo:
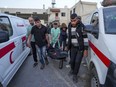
[{"x": 40, "y": 37}]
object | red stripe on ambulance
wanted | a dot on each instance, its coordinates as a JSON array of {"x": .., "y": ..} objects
[
  {"x": 100, "y": 55},
  {"x": 23, "y": 38},
  {"x": 6, "y": 49}
]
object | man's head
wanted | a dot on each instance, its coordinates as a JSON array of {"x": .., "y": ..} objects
[
  {"x": 74, "y": 19},
  {"x": 37, "y": 21},
  {"x": 55, "y": 24},
  {"x": 31, "y": 21}
]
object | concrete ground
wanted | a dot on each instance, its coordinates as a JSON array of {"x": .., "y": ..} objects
[{"x": 51, "y": 76}]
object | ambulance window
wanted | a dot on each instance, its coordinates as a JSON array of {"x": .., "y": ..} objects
[
  {"x": 110, "y": 20},
  {"x": 5, "y": 25}
]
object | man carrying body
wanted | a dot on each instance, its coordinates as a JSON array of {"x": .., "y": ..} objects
[
  {"x": 75, "y": 45},
  {"x": 41, "y": 39}
]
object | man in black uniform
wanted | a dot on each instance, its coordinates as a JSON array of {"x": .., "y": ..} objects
[{"x": 75, "y": 45}]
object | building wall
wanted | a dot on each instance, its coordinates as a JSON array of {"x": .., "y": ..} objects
[
  {"x": 51, "y": 17},
  {"x": 81, "y": 8},
  {"x": 23, "y": 11},
  {"x": 84, "y": 9},
  {"x": 60, "y": 18},
  {"x": 65, "y": 19}
]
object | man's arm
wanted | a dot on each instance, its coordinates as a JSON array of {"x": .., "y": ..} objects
[
  {"x": 27, "y": 32},
  {"x": 58, "y": 35},
  {"x": 80, "y": 39},
  {"x": 51, "y": 35},
  {"x": 29, "y": 40},
  {"x": 47, "y": 38},
  {"x": 69, "y": 37}
]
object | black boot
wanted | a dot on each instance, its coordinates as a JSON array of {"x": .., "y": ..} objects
[
  {"x": 35, "y": 64},
  {"x": 75, "y": 79},
  {"x": 46, "y": 61},
  {"x": 42, "y": 66},
  {"x": 70, "y": 72}
]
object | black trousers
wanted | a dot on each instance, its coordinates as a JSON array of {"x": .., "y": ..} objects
[
  {"x": 34, "y": 51},
  {"x": 75, "y": 59}
]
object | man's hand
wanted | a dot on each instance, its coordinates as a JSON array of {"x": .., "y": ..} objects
[
  {"x": 85, "y": 54},
  {"x": 61, "y": 48},
  {"x": 48, "y": 45},
  {"x": 28, "y": 41},
  {"x": 66, "y": 48},
  {"x": 28, "y": 44}
]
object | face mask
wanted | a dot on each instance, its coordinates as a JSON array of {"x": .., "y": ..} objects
[{"x": 32, "y": 24}]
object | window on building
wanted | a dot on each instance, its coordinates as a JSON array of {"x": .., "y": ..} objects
[
  {"x": 63, "y": 14},
  {"x": 70, "y": 12},
  {"x": 44, "y": 13},
  {"x": 5, "y": 25},
  {"x": 18, "y": 12},
  {"x": 7, "y": 12},
  {"x": 34, "y": 12},
  {"x": 73, "y": 10},
  {"x": 56, "y": 14}
]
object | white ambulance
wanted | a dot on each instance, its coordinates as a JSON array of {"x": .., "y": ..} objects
[
  {"x": 13, "y": 49},
  {"x": 102, "y": 47}
]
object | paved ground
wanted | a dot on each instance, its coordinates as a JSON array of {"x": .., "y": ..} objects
[{"x": 51, "y": 76}]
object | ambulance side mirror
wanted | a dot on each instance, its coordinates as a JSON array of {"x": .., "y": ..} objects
[
  {"x": 91, "y": 29},
  {"x": 95, "y": 32},
  {"x": 4, "y": 36}
]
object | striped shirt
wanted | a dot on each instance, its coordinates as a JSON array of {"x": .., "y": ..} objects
[{"x": 74, "y": 38}]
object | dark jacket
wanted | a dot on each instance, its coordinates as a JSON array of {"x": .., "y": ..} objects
[
  {"x": 63, "y": 35},
  {"x": 80, "y": 39}
]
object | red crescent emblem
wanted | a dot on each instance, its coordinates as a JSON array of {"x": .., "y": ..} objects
[{"x": 11, "y": 61}]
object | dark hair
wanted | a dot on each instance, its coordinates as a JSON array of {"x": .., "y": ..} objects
[
  {"x": 63, "y": 25},
  {"x": 55, "y": 23},
  {"x": 36, "y": 19},
  {"x": 74, "y": 15},
  {"x": 79, "y": 17}
]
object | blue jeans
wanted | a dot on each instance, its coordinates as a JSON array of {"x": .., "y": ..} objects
[
  {"x": 63, "y": 44},
  {"x": 42, "y": 54}
]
